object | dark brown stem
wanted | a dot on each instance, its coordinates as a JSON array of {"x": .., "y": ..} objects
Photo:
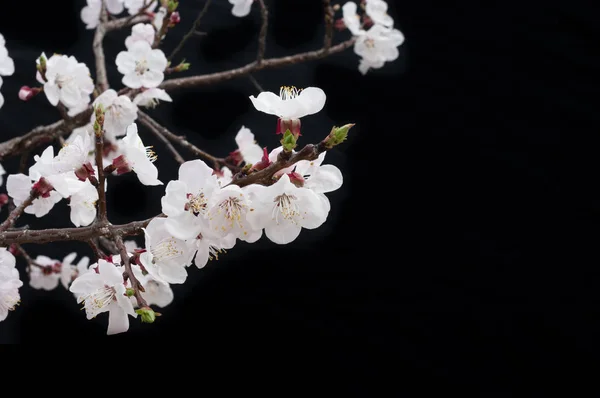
[
  {"x": 163, "y": 30},
  {"x": 96, "y": 249},
  {"x": 262, "y": 35},
  {"x": 284, "y": 160},
  {"x": 82, "y": 234},
  {"x": 16, "y": 213},
  {"x": 135, "y": 284},
  {"x": 329, "y": 14},
  {"x": 158, "y": 133},
  {"x": 30, "y": 261},
  {"x": 108, "y": 245},
  {"x": 190, "y": 33},
  {"x": 195, "y": 81},
  {"x": 101, "y": 216},
  {"x": 101, "y": 76},
  {"x": 217, "y": 162}
]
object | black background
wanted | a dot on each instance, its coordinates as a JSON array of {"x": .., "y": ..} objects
[{"x": 463, "y": 243}]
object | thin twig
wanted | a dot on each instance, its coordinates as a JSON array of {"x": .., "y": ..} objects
[
  {"x": 262, "y": 35},
  {"x": 135, "y": 284},
  {"x": 101, "y": 216},
  {"x": 101, "y": 76},
  {"x": 256, "y": 83},
  {"x": 108, "y": 245},
  {"x": 158, "y": 133},
  {"x": 30, "y": 261},
  {"x": 212, "y": 78},
  {"x": 96, "y": 249},
  {"x": 217, "y": 162},
  {"x": 190, "y": 33},
  {"x": 329, "y": 14},
  {"x": 16, "y": 213}
]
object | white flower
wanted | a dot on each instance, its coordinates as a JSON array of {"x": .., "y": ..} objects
[
  {"x": 83, "y": 205},
  {"x": 139, "y": 157},
  {"x": 90, "y": 14},
  {"x": 291, "y": 103},
  {"x": 46, "y": 274},
  {"x": 241, "y": 8},
  {"x": 209, "y": 247},
  {"x": 2, "y": 172},
  {"x": 224, "y": 176},
  {"x": 1, "y": 97},
  {"x": 228, "y": 208},
  {"x": 68, "y": 271},
  {"x": 149, "y": 98},
  {"x": 351, "y": 18},
  {"x": 251, "y": 152},
  {"x": 377, "y": 46},
  {"x": 19, "y": 187},
  {"x": 141, "y": 65},
  {"x": 64, "y": 183},
  {"x": 69, "y": 81},
  {"x": 134, "y": 6},
  {"x": 321, "y": 178},
  {"x": 283, "y": 209},
  {"x": 9, "y": 283},
  {"x": 140, "y": 32},
  {"x": 165, "y": 257},
  {"x": 119, "y": 113},
  {"x": 186, "y": 199},
  {"x": 159, "y": 17},
  {"x": 156, "y": 291},
  {"x": 72, "y": 155},
  {"x": 105, "y": 291},
  {"x": 114, "y": 6},
  {"x": 7, "y": 65},
  {"x": 377, "y": 11}
]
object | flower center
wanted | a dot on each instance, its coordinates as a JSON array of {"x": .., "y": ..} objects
[
  {"x": 150, "y": 154},
  {"x": 166, "y": 249},
  {"x": 232, "y": 210},
  {"x": 96, "y": 301},
  {"x": 285, "y": 208},
  {"x": 62, "y": 80},
  {"x": 370, "y": 43},
  {"x": 141, "y": 67},
  {"x": 8, "y": 302},
  {"x": 196, "y": 204},
  {"x": 288, "y": 92}
]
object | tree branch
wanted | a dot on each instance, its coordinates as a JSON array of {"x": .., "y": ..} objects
[
  {"x": 99, "y": 134},
  {"x": 135, "y": 284},
  {"x": 82, "y": 234},
  {"x": 217, "y": 162},
  {"x": 195, "y": 81},
  {"x": 101, "y": 76},
  {"x": 108, "y": 245},
  {"x": 262, "y": 36},
  {"x": 158, "y": 133},
  {"x": 16, "y": 213},
  {"x": 190, "y": 33},
  {"x": 329, "y": 14}
]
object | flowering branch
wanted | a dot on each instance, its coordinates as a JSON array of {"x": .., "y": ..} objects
[
  {"x": 147, "y": 120},
  {"x": 135, "y": 284},
  {"x": 99, "y": 135},
  {"x": 192, "y": 30},
  {"x": 212, "y": 78},
  {"x": 159, "y": 134},
  {"x": 16, "y": 213}
]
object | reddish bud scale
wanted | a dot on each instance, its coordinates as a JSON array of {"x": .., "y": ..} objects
[
  {"x": 13, "y": 250},
  {"x": 296, "y": 179},
  {"x": 174, "y": 19},
  {"x": 235, "y": 157},
  {"x": 42, "y": 188},
  {"x": 3, "y": 199},
  {"x": 85, "y": 171},
  {"x": 264, "y": 162},
  {"x": 121, "y": 165}
]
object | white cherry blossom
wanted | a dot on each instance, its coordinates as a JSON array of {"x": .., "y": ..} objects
[
  {"x": 134, "y": 6},
  {"x": 156, "y": 291},
  {"x": 139, "y": 157},
  {"x": 228, "y": 208},
  {"x": 377, "y": 11},
  {"x": 351, "y": 18},
  {"x": 149, "y": 98},
  {"x": 283, "y": 209},
  {"x": 104, "y": 291},
  {"x": 7, "y": 65},
  {"x": 141, "y": 65},
  {"x": 251, "y": 152},
  {"x": 64, "y": 183},
  {"x": 69, "y": 271},
  {"x": 377, "y": 46},
  {"x": 18, "y": 187},
  {"x": 159, "y": 17},
  {"x": 224, "y": 176},
  {"x": 90, "y": 14},
  {"x": 319, "y": 177},
  {"x": 83, "y": 205},
  {"x": 2, "y": 173},
  {"x": 291, "y": 103},
  {"x": 186, "y": 199},
  {"x": 114, "y": 6},
  {"x": 119, "y": 113},
  {"x": 1, "y": 97},
  {"x": 140, "y": 32},
  {"x": 9, "y": 283},
  {"x": 68, "y": 81},
  {"x": 241, "y": 8},
  {"x": 208, "y": 247},
  {"x": 72, "y": 155},
  {"x": 46, "y": 274},
  {"x": 165, "y": 257}
]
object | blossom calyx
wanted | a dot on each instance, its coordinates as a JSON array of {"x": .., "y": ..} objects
[
  {"x": 42, "y": 188},
  {"x": 293, "y": 125},
  {"x": 147, "y": 314},
  {"x": 288, "y": 141},
  {"x": 337, "y": 135},
  {"x": 85, "y": 171}
]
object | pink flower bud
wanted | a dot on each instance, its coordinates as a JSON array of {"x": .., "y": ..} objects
[
  {"x": 121, "y": 165},
  {"x": 26, "y": 93},
  {"x": 174, "y": 19},
  {"x": 42, "y": 188},
  {"x": 289, "y": 124},
  {"x": 3, "y": 199}
]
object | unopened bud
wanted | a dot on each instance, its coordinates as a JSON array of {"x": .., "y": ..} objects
[
  {"x": 182, "y": 67},
  {"x": 288, "y": 141},
  {"x": 121, "y": 165},
  {"x": 3, "y": 199},
  {"x": 293, "y": 125},
  {"x": 337, "y": 135},
  {"x": 129, "y": 292},
  {"x": 26, "y": 93},
  {"x": 147, "y": 314},
  {"x": 172, "y": 5},
  {"x": 174, "y": 19},
  {"x": 42, "y": 188}
]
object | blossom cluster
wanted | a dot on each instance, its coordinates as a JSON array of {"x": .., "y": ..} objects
[
  {"x": 91, "y": 14},
  {"x": 7, "y": 65}
]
